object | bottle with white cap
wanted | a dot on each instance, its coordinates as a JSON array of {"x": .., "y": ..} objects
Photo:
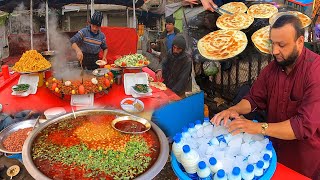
[
  {"x": 198, "y": 124},
  {"x": 203, "y": 171},
  {"x": 214, "y": 165},
  {"x": 235, "y": 174},
  {"x": 189, "y": 160},
  {"x": 220, "y": 175},
  {"x": 177, "y": 148},
  {"x": 258, "y": 169},
  {"x": 248, "y": 173},
  {"x": 206, "y": 121},
  {"x": 268, "y": 149},
  {"x": 266, "y": 161}
]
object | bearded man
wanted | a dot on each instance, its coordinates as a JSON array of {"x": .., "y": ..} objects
[{"x": 289, "y": 90}]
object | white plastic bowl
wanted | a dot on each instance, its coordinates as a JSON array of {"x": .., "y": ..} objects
[{"x": 54, "y": 112}]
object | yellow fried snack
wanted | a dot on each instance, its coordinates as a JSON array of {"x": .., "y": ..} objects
[{"x": 31, "y": 61}]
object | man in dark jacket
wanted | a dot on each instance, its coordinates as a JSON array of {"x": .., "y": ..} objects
[{"x": 176, "y": 68}]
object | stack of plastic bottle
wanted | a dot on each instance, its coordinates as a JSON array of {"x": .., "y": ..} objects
[{"x": 205, "y": 151}]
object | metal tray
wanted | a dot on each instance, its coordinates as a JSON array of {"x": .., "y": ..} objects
[{"x": 12, "y": 128}]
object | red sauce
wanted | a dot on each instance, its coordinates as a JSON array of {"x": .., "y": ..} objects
[{"x": 130, "y": 126}]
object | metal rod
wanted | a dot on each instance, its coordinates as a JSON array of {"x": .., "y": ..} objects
[
  {"x": 31, "y": 23},
  {"x": 47, "y": 25},
  {"x": 92, "y": 8},
  {"x": 134, "y": 14}
]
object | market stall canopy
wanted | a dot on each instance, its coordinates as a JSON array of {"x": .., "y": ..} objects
[{"x": 9, "y": 5}]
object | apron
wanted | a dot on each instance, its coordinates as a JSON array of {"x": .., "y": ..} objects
[{"x": 89, "y": 61}]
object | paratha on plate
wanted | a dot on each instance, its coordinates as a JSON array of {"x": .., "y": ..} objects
[
  {"x": 236, "y": 21},
  {"x": 222, "y": 44},
  {"x": 262, "y": 10},
  {"x": 261, "y": 39},
  {"x": 235, "y": 7}
]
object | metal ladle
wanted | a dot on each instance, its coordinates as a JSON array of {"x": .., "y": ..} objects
[{"x": 13, "y": 171}]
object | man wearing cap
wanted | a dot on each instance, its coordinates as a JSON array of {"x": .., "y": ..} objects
[
  {"x": 88, "y": 42},
  {"x": 176, "y": 67}
]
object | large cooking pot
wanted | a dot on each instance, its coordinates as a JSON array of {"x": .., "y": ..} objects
[{"x": 149, "y": 174}]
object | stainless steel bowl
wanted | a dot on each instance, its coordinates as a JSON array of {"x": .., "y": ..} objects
[
  {"x": 145, "y": 122},
  {"x": 149, "y": 174},
  {"x": 12, "y": 128}
]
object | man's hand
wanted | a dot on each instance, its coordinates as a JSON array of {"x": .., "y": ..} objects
[
  {"x": 159, "y": 75},
  {"x": 244, "y": 125},
  {"x": 189, "y": 2},
  {"x": 224, "y": 116},
  {"x": 207, "y": 5},
  {"x": 79, "y": 55},
  {"x": 105, "y": 59}
]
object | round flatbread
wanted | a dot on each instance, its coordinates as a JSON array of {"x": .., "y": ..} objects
[
  {"x": 305, "y": 20},
  {"x": 235, "y": 7},
  {"x": 261, "y": 39},
  {"x": 222, "y": 44},
  {"x": 158, "y": 85},
  {"x": 236, "y": 21},
  {"x": 262, "y": 10}
]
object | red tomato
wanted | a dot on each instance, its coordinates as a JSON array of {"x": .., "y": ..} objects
[
  {"x": 81, "y": 89},
  {"x": 146, "y": 62},
  {"x": 107, "y": 83},
  {"x": 53, "y": 87},
  {"x": 123, "y": 64},
  {"x": 110, "y": 74},
  {"x": 140, "y": 61}
]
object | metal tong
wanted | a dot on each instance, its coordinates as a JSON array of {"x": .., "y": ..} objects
[{"x": 220, "y": 10}]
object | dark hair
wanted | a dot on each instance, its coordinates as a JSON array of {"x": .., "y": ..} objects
[
  {"x": 170, "y": 19},
  {"x": 290, "y": 19}
]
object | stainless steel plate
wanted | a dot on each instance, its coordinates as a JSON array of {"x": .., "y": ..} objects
[
  {"x": 12, "y": 128},
  {"x": 145, "y": 122}
]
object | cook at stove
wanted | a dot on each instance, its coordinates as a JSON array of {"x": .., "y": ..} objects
[{"x": 88, "y": 42}]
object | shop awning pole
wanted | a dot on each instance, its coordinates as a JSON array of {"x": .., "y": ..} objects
[
  {"x": 92, "y": 8},
  {"x": 134, "y": 14},
  {"x": 47, "y": 25},
  {"x": 31, "y": 23}
]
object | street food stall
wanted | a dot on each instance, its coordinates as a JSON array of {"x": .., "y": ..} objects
[{"x": 93, "y": 141}]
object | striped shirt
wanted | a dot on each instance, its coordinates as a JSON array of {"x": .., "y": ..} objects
[{"x": 89, "y": 42}]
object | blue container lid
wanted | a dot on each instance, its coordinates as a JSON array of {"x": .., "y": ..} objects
[
  {"x": 266, "y": 157},
  {"x": 213, "y": 161},
  {"x": 202, "y": 165},
  {"x": 206, "y": 119},
  {"x": 236, "y": 171},
  {"x": 221, "y": 173},
  {"x": 198, "y": 122},
  {"x": 191, "y": 125},
  {"x": 186, "y": 148},
  {"x": 260, "y": 164},
  {"x": 250, "y": 168}
]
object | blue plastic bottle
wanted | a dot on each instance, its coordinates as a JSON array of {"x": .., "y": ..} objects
[
  {"x": 266, "y": 160},
  {"x": 220, "y": 175},
  {"x": 248, "y": 173},
  {"x": 206, "y": 121},
  {"x": 198, "y": 124},
  {"x": 235, "y": 174},
  {"x": 203, "y": 171},
  {"x": 177, "y": 148},
  {"x": 214, "y": 165},
  {"x": 258, "y": 169},
  {"x": 189, "y": 160}
]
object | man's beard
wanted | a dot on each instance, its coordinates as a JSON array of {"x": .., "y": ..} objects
[
  {"x": 176, "y": 54},
  {"x": 290, "y": 60}
]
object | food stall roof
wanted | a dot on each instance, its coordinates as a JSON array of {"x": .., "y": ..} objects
[{"x": 9, "y": 5}]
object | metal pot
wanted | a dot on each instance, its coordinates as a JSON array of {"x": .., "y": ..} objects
[{"x": 149, "y": 174}]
